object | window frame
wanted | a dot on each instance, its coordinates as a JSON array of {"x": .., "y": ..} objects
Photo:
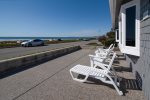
[
  {"x": 129, "y": 49},
  {"x": 116, "y": 35},
  {"x": 120, "y": 31}
]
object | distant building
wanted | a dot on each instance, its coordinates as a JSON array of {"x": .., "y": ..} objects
[{"x": 131, "y": 21}]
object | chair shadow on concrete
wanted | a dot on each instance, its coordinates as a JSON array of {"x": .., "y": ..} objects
[
  {"x": 120, "y": 57},
  {"x": 119, "y": 68},
  {"x": 129, "y": 84},
  {"x": 122, "y": 69},
  {"x": 125, "y": 84},
  {"x": 116, "y": 62}
]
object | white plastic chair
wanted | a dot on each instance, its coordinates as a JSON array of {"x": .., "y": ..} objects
[
  {"x": 104, "y": 75},
  {"x": 105, "y": 50},
  {"x": 101, "y": 56},
  {"x": 100, "y": 62}
]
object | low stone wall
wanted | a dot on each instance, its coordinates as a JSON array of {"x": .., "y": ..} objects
[{"x": 35, "y": 58}]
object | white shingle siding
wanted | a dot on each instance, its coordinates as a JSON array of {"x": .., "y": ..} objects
[{"x": 142, "y": 65}]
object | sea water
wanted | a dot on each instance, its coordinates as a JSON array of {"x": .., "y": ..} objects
[{"x": 43, "y": 38}]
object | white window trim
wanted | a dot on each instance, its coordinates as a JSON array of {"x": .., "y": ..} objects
[
  {"x": 120, "y": 31},
  {"x": 129, "y": 49},
  {"x": 117, "y": 33}
]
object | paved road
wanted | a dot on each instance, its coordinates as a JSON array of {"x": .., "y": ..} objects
[{"x": 20, "y": 51}]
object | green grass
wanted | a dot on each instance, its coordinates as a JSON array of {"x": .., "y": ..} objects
[
  {"x": 94, "y": 44},
  {"x": 63, "y": 41},
  {"x": 9, "y": 45}
]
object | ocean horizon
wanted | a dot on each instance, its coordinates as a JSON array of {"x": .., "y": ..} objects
[{"x": 44, "y": 38}]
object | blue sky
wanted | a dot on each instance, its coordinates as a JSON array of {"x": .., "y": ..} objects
[{"x": 53, "y": 18}]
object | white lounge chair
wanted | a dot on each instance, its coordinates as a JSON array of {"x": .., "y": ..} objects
[
  {"x": 103, "y": 63},
  {"x": 105, "y": 50},
  {"x": 101, "y": 56},
  {"x": 104, "y": 75}
]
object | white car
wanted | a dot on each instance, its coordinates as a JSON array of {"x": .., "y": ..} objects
[{"x": 30, "y": 43}]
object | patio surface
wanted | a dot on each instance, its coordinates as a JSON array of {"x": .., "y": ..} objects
[{"x": 52, "y": 81}]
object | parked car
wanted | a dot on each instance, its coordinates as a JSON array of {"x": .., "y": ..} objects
[
  {"x": 30, "y": 43},
  {"x": 86, "y": 39}
]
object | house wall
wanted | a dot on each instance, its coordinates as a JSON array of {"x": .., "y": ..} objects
[{"x": 141, "y": 65}]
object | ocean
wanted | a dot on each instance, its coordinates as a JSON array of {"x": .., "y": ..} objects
[{"x": 43, "y": 38}]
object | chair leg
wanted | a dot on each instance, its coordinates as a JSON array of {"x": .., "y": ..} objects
[
  {"x": 91, "y": 61},
  {"x": 71, "y": 75},
  {"x": 115, "y": 85},
  {"x": 77, "y": 79},
  {"x": 117, "y": 89}
]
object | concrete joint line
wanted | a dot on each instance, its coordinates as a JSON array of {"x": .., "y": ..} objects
[{"x": 51, "y": 76}]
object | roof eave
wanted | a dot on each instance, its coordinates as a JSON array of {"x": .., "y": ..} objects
[{"x": 115, "y": 6}]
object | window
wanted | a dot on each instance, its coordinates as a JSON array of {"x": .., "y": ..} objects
[
  {"x": 120, "y": 29},
  {"x": 36, "y": 40},
  {"x": 129, "y": 28}
]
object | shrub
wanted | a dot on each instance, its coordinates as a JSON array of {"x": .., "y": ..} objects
[
  {"x": 109, "y": 42},
  {"x": 102, "y": 39},
  {"x": 110, "y": 34},
  {"x": 107, "y": 39}
]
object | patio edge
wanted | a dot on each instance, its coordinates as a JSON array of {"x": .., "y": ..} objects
[{"x": 22, "y": 61}]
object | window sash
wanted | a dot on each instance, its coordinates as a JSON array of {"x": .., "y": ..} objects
[{"x": 132, "y": 50}]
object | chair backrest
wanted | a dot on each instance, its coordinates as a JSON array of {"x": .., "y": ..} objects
[
  {"x": 106, "y": 53},
  {"x": 112, "y": 60},
  {"x": 111, "y": 47},
  {"x": 102, "y": 63},
  {"x": 110, "y": 50}
]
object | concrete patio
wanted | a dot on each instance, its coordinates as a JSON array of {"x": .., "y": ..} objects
[{"x": 52, "y": 81}]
